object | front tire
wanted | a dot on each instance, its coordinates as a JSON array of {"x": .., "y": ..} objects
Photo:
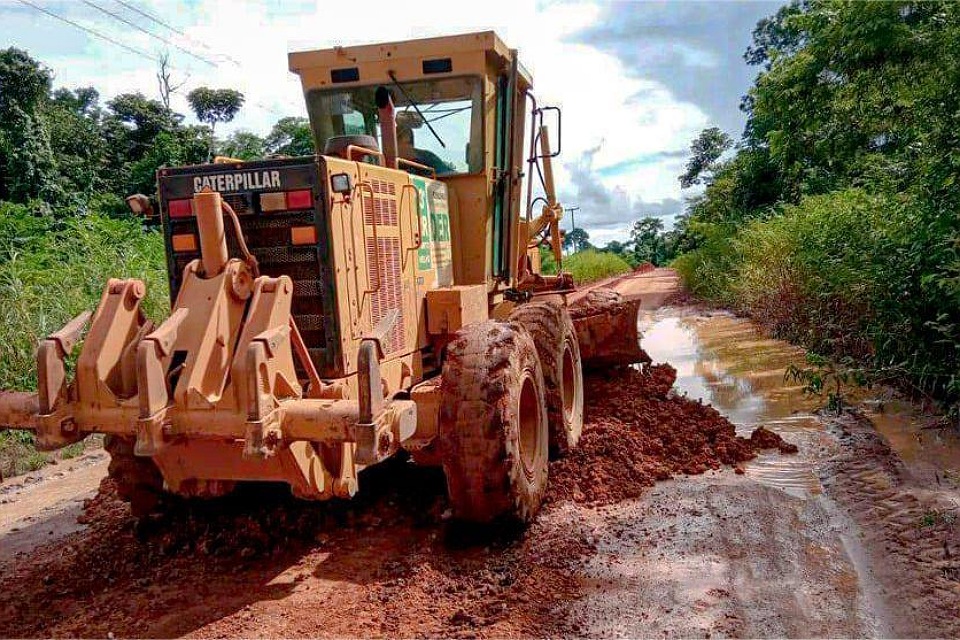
[
  {"x": 551, "y": 328},
  {"x": 493, "y": 424}
]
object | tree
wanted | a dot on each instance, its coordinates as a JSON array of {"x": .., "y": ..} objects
[
  {"x": 576, "y": 239},
  {"x": 244, "y": 145},
  {"x": 24, "y": 82},
  {"x": 647, "y": 240},
  {"x": 28, "y": 167},
  {"x": 73, "y": 119},
  {"x": 165, "y": 80},
  {"x": 706, "y": 149},
  {"x": 778, "y": 36},
  {"x": 617, "y": 247},
  {"x": 142, "y": 135},
  {"x": 291, "y": 136},
  {"x": 215, "y": 105}
]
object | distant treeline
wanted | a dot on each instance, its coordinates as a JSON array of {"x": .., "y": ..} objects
[{"x": 64, "y": 151}]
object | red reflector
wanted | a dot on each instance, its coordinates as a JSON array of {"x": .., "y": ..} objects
[
  {"x": 181, "y": 208},
  {"x": 300, "y": 199}
]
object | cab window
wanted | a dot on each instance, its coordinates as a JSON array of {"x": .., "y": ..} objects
[{"x": 452, "y": 106}]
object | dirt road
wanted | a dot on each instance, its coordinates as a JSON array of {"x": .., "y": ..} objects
[{"x": 660, "y": 526}]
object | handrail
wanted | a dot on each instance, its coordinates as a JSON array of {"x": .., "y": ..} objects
[
  {"x": 351, "y": 148},
  {"x": 419, "y": 243},
  {"x": 376, "y": 240}
]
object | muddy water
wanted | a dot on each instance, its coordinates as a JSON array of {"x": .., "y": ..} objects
[
  {"x": 726, "y": 362},
  {"x": 929, "y": 446}
]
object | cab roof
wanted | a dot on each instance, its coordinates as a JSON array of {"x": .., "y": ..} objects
[{"x": 469, "y": 53}]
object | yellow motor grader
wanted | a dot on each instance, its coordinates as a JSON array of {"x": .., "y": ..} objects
[{"x": 330, "y": 311}]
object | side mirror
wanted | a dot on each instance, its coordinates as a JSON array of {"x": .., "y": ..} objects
[
  {"x": 140, "y": 205},
  {"x": 559, "y": 137}
]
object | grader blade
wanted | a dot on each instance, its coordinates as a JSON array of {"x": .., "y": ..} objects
[{"x": 606, "y": 326}]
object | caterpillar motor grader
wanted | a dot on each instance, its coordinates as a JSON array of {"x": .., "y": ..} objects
[{"x": 330, "y": 311}]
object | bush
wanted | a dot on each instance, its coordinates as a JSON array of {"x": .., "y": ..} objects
[
  {"x": 53, "y": 269},
  {"x": 592, "y": 265},
  {"x": 841, "y": 274}
]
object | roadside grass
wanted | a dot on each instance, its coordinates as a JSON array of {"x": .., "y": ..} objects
[
  {"x": 52, "y": 269},
  {"x": 591, "y": 265},
  {"x": 867, "y": 280}
]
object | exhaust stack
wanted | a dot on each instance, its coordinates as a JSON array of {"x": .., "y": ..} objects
[{"x": 388, "y": 126}]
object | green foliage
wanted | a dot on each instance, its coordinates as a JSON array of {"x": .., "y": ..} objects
[
  {"x": 591, "y": 265},
  {"x": 548, "y": 266},
  {"x": 705, "y": 150},
  {"x": 23, "y": 82},
  {"x": 835, "y": 224},
  {"x": 18, "y": 454},
  {"x": 215, "y": 105},
  {"x": 825, "y": 376},
  {"x": 243, "y": 145},
  {"x": 291, "y": 136},
  {"x": 649, "y": 242},
  {"x": 576, "y": 240},
  {"x": 53, "y": 269}
]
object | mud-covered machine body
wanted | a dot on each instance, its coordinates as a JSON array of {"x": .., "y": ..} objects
[{"x": 329, "y": 311}]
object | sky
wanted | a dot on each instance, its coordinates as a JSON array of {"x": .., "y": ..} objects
[{"x": 637, "y": 81}]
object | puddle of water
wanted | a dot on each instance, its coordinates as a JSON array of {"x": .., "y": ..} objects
[
  {"x": 919, "y": 441},
  {"x": 726, "y": 362}
]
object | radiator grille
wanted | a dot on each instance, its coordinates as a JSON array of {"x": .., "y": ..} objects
[
  {"x": 268, "y": 238},
  {"x": 384, "y": 257},
  {"x": 384, "y": 209},
  {"x": 382, "y": 186}
]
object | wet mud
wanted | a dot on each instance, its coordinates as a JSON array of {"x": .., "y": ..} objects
[
  {"x": 405, "y": 568},
  {"x": 678, "y": 517}
]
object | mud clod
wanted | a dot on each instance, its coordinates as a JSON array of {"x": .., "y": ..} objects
[{"x": 763, "y": 438}]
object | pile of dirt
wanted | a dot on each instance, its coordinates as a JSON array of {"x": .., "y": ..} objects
[
  {"x": 763, "y": 438},
  {"x": 637, "y": 433}
]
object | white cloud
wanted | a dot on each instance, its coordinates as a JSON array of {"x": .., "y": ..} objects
[{"x": 606, "y": 107}]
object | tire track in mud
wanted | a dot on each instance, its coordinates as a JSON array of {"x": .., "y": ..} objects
[{"x": 911, "y": 532}]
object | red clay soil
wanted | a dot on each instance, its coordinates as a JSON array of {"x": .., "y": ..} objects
[
  {"x": 636, "y": 433},
  {"x": 388, "y": 563}
]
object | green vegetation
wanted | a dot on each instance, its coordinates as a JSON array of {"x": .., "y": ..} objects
[
  {"x": 588, "y": 265},
  {"x": 592, "y": 265},
  {"x": 835, "y": 221},
  {"x": 51, "y": 270}
]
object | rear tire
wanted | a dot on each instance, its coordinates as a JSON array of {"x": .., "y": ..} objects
[
  {"x": 138, "y": 479},
  {"x": 551, "y": 328},
  {"x": 493, "y": 424}
]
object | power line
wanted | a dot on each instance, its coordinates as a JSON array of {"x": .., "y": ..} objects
[
  {"x": 142, "y": 30},
  {"x": 134, "y": 50},
  {"x": 57, "y": 16},
  {"x": 160, "y": 22},
  {"x": 166, "y": 25}
]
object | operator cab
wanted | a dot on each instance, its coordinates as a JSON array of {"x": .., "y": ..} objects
[{"x": 439, "y": 122}]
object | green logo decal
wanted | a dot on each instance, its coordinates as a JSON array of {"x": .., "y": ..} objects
[{"x": 424, "y": 254}]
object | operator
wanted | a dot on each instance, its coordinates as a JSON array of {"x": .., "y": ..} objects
[{"x": 406, "y": 149}]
